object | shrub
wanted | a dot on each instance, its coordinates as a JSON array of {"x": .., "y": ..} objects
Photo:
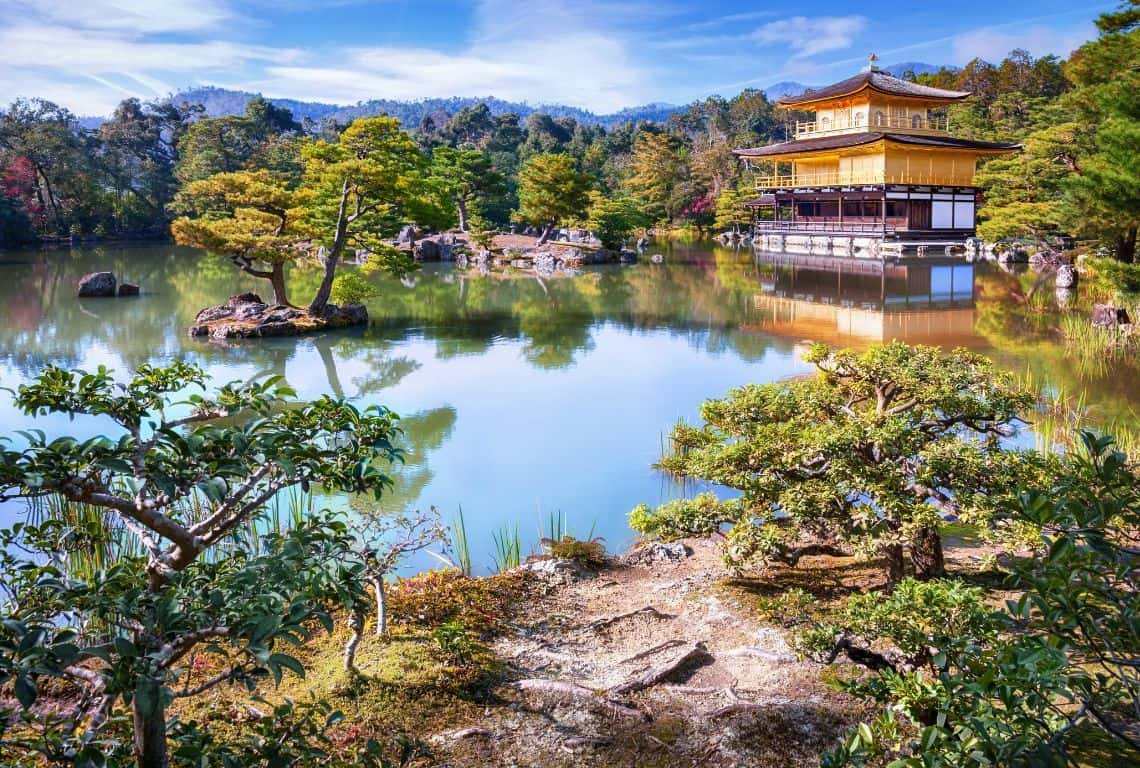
[
  {"x": 435, "y": 598},
  {"x": 455, "y": 642},
  {"x": 978, "y": 687},
  {"x": 589, "y": 551},
  {"x": 352, "y": 288}
]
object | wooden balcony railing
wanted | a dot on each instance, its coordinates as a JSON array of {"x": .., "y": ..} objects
[
  {"x": 933, "y": 123},
  {"x": 855, "y": 178},
  {"x": 827, "y": 226}
]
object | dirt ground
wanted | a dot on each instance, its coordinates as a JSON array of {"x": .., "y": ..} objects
[{"x": 666, "y": 663}]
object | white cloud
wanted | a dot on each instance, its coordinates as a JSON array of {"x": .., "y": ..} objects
[
  {"x": 994, "y": 43},
  {"x": 809, "y": 36},
  {"x": 538, "y": 51},
  {"x": 134, "y": 16}
]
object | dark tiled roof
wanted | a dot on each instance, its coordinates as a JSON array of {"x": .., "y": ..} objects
[
  {"x": 761, "y": 201},
  {"x": 879, "y": 81},
  {"x": 859, "y": 139}
]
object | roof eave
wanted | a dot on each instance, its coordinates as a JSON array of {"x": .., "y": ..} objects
[{"x": 787, "y": 102}]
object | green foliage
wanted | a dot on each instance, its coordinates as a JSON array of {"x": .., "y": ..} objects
[
  {"x": 508, "y": 548},
  {"x": 867, "y": 454},
  {"x": 202, "y": 597},
  {"x": 974, "y": 686},
  {"x": 1114, "y": 279},
  {"x": 552, "y": 190},
  {"x": 468, "y": 176},
  {"x": 455, "y": 642},
  {"x": 352, "y": 288},
  {"x": 613, "y": 220},
  {"x": 299, "y": 734},
  {"x": 347, "y": 195},
  {"x": 701, "y": 516},
  {"x": 731, "y": 212}
]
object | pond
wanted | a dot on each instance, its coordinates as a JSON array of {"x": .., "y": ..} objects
[{"x": 524, "y": 397}]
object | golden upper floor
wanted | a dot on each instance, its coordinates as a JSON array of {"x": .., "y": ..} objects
[{"x": 873, "y": 101}]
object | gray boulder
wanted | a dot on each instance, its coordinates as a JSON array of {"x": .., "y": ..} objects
[
  {"x": 97, "y": 284},
  {"x": 554, "y": 571},
  {"x": 655, "y": 552},
  {"x": 407, "y": 235},
  {"x": 428, "y": 250},
  {"x": 1108, "y": 316},
  {"x": 128, "y": 289},
  {"x": 1066, "y": 276}
]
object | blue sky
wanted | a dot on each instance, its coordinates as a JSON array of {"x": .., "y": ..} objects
[{"x": 597, "y": 54}]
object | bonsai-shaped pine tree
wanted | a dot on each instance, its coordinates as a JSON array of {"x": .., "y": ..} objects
[
  {"x": 197, "y": 594},
  {"x": 349, "y": 194},
  {"x": 551, "y": 190},
  {"x": 867, "y": 455}
]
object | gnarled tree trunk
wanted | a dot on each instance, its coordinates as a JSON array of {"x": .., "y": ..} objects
[
  {"x": 332, "y": 258},
  {"x": 150, "y": 732},
  {"x": 896, "y": 568},
  {"x": 545, "y": 233},
  {"x": 277, "y": 280},
  {"x": 926, "y": 554}
]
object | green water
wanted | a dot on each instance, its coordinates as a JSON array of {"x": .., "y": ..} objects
[{"x": 525, "y": 396}]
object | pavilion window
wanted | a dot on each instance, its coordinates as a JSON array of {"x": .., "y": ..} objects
[
  {"x": 879, "y": 118},
  {"x": 896, "y": 209},
  {"x": 916, "y": 121}
]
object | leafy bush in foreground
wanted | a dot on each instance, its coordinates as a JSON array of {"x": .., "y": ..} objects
[
  {"x": 202, "y": 597},
  {"x": 973, "y": 687}
]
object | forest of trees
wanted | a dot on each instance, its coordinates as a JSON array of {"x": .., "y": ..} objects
[{"x": 1078, "y": 175}]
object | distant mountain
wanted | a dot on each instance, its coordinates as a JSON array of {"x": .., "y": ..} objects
[
  {"x": 917, "y": 67},
  {"x": 223, "y": 101},
  {"x": 785, "y": 88}
]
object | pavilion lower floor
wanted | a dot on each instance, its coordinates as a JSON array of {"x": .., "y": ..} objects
[{"x": 888, "y": 212}]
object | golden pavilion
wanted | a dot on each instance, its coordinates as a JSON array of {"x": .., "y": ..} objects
[{"x": 876, "y": 163}]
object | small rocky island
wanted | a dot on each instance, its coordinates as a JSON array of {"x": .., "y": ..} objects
[
  {"x": 104, "y": 285},
  {"x": 247, "y": 316}
]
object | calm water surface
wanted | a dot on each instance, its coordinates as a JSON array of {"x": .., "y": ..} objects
[{"x": 521, "y": 397}]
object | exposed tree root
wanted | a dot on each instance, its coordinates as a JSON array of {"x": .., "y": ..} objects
[
  {"x": 611, "y": 620},
  {"x": 659, "y": 674},
  {"x": 656, "y": 649},
  {"x": 575, "y": 691},
  {"x": 760, "y": 653}
]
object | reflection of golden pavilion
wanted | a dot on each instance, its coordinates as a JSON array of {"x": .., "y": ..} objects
[{"x": 836, "y": 300}]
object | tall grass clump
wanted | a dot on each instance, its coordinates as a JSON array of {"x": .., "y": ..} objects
[
  {"x": 460, "y": 544},
  {"x": 508, "y": 548}
]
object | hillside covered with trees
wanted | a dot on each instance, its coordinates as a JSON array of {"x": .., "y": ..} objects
[{"x": 1077, "y": 176}]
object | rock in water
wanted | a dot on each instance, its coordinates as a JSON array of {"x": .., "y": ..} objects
[
  {"x": 427, "y": 250},
  {"x": 1108, "y": 316},
  {"x": 407, "y": 235},
  {"x": 97, "y": 284},
  {"x": 128, "y": 289},
  {"x": 1066, "y": 276}
]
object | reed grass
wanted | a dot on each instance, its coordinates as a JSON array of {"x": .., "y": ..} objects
[
  {"x": 460, "y": 544},
  {"x": 508, "y": 548}
]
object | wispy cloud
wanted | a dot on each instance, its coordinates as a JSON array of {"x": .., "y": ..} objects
[
  {"x": 132, "y": 16},
  {"x": 808, "y": 36},
  {"x": 993, "y": 44}
]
